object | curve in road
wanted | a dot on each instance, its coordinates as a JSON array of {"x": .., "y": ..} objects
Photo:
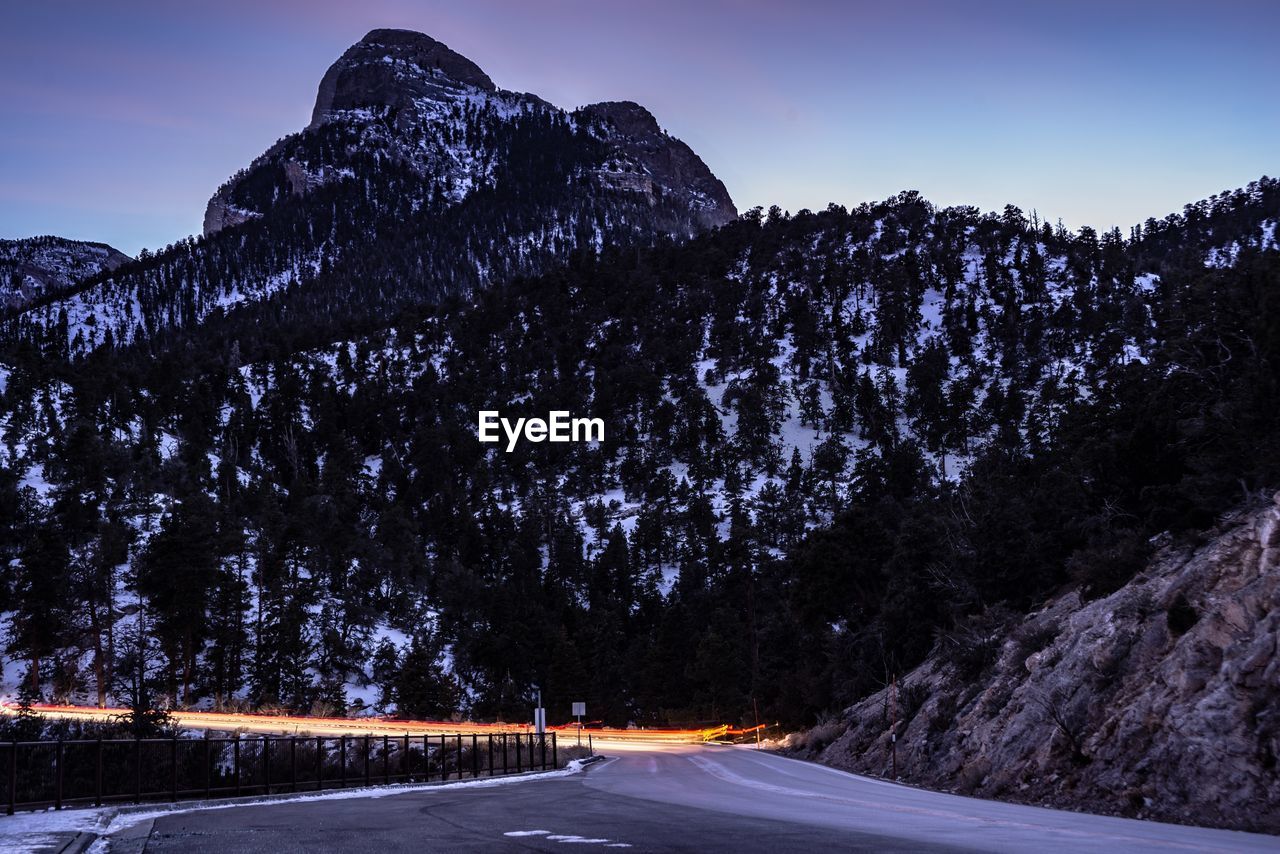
[{"x": 676, "y": 798}]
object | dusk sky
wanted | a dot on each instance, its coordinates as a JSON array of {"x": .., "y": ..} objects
[{"x": 121, "y": 119}]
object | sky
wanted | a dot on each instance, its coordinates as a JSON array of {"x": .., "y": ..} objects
[{"x": 118, "y": 120}]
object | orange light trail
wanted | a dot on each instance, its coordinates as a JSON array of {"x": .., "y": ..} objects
[{"x": 297, "y": 725}]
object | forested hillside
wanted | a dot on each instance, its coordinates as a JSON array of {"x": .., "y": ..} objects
[
  {"x": 37, "y": 267},
  {"x": 834, "y": 441}
]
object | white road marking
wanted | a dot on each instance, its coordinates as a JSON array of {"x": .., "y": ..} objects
[{"x": 568, "y": 838}]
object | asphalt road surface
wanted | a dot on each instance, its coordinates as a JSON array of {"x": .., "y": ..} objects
[{"x": 703, "y": 799}]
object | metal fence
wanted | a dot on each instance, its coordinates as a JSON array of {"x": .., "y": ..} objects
[{"x": 43, "y": 774}]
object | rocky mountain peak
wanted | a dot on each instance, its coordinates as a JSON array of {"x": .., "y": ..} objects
[
  {"x": 389, "y": 67},
  {"x": 405, "y": 101},
  {"x": 627, "y": 116}
]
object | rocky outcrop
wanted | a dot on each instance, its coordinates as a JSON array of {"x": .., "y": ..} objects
[
  {"x": 220, "y": 213},
  {"x": 390, "y": 68},
  {"x": 668, "y": 165},
  {"x": 37, "y": 266},
  {"x": 1159, "y": 701}
]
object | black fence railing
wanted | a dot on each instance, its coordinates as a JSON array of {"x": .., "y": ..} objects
[{"x": 43, "y": 774}]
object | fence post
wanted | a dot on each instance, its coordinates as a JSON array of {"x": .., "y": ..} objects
[
  {"x": 137, "y": 768},
  {"x": 97, "y": 774},
  {"x": 543, "y": 746},
  {"x": 266, "y": 765},
  {"x": 367, "y": 780},
  {"x": 342, "y": 755},
  {"x": 386, "y": 760},
  {"x": 319, "y": 764},
  {"x": 404, "y": 759},
  {"x": 504, "y": 753},
  {"x": 208, "y": 764},
  {"x": 519, "y": 759},
  {"x": 555, "y": 756},
  {"x": 459, "y": 737},
  {"x": 591, "y": 749},
  {"x": 13, "y": 776},
  {"x": 475, "y": 755},
  {"x": 293, "y": 763},
  {"x": 426, "y": 757},
  {"x": 235, "y": 763},
  {"x": 490, "y": 755},
  {"x": 173, "y": 769},
  {"x": 57, "y": 771}
]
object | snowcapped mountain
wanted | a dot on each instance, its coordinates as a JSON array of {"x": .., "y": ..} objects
[
  {"x": 36, "y": 267},
  {"x": 410, "y": 98},
  {"x": 416, "y": 179}
]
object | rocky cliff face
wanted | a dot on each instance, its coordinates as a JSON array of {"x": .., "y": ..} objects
[
  {"x": 666, "y": 164},
  {"x": 392, "y": 68},
  {"x": 405, "y": 96},
  {"x": 1159, "y": 701},
  {"x": 36, "y": 266}
]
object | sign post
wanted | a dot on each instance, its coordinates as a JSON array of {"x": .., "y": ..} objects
[
  {"x": 540, "y": 716},
  {"x": 893, "y": 732},
  {"x": 579, "y": 709}
]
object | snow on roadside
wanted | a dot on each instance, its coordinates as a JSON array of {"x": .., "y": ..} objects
[{"x": 25, "y": 831}]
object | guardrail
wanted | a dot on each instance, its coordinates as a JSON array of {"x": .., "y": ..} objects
[{"x": 43, "y": 774}]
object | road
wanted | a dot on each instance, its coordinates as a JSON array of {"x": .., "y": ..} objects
[{"x": 674, "y": 798}]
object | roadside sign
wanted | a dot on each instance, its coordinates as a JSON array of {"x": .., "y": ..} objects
[{"x": 579, "y": 709}]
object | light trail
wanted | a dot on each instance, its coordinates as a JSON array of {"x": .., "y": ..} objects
[{"x": 299, "y": 725}]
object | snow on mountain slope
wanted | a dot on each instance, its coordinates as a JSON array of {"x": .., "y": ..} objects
[
  {"x": 411, "y": 97},
  {"x": 35, "y": 267},
  {"x": 417, "y": 179}
]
